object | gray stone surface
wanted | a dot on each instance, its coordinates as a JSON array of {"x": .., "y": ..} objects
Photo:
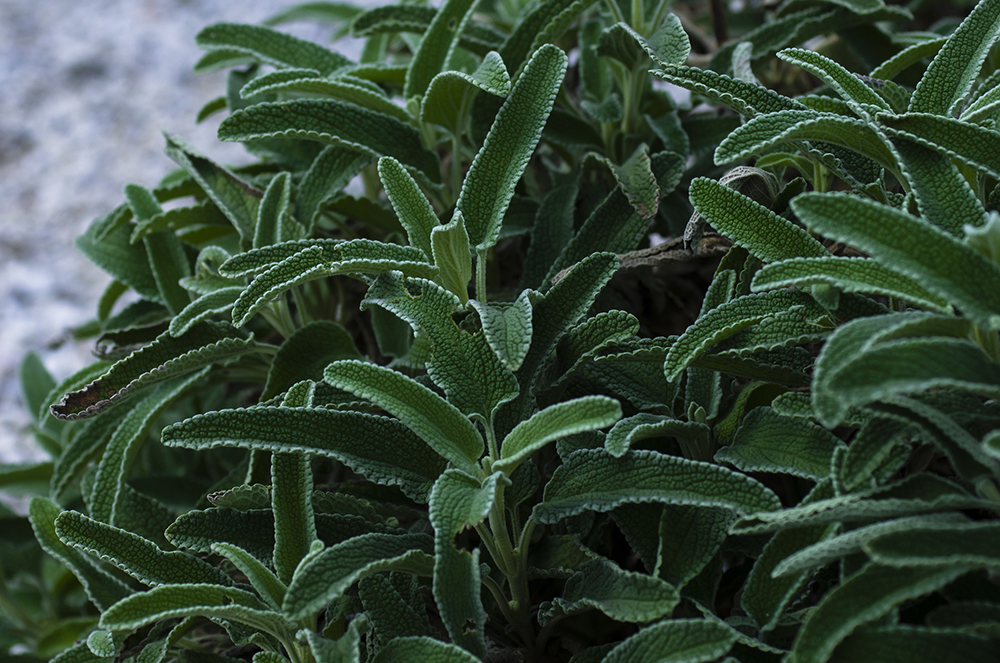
[{"x": 86, "y": 88}]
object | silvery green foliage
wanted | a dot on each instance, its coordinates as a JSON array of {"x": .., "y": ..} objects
[{"x": 342, "y": 427}]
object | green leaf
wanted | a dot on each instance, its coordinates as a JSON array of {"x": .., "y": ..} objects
[
  {"x": 869, "y": 449},
  {"x": 329, "y": 173},
  {"x": 169, "y": 601},
  {"x": 689, "y": 537},
  {"x": 269, "y": 46},
  {"x": 769, "y": 442},
  {"x": 749, "y": 224},
  {"x": 952, "y": 72},
  {"x": 436, "y": 421},
  {"x": 847, "y": 274},
  {"x": 453, "y": 256},
  {"x": 478, "y": 37},
  {"x": 554, "y": 422},
  {"x": 447, "y": 98},
  {"x": 542, "y": 24},
  {"x": 102, "y": 588},
  {"x": 305, "y": 354},
  {"x": 346, "y": 649},
  {"x": 594, "y": 480},
  {"x": 273, "y": 206},
  {"x": 507, "y": 329},
  {"x": 938, "y": 544},
  {"x": 383, "y": 450},
  {"x": 862, "y": 598},
  {"x": 675, "y": 641},
  {"x": 910, "y": 246},
  {"x": 291, "y": 499},
  {"x": 112, "y": 250},
  {"x": 393, "y": 614},
  {"x": 904, "y": 642},
  {"x": 217, "y": 302},
  {"x": 459, "y": 501},
  {"x": 237, "y": 199},
  {"x": 747, "y": 99},
  {"x": 164, "y": 359},
  {"x": 335, "y": 123},
  {"x": 907, "y": 57},
  {"x": 437, "y": 47},
  {"x": 414, "y": 211},
  {"x": 263, "y": 580},
  {"x": 646, "y": 425},
  {"x": 422, "y": 648},
  {"x": 851, "y": 88},
  {"x": 497, "y": 167},
  {"x": 80, "y": 653},
  {"x": 963, "y": 141},
  {"x": 140, "y": 558},
  {"x": 621, "y": 595},
  {"x": 326, "y": 576},
  {"x": 165, "y": 252},
  {"x": 122, "y": 448}
]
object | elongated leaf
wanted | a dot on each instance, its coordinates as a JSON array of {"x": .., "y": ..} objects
[
  {"x": 329, "y": 574},
  {"x": 646, "y": 425},
  {"x": 851, "y": 88},
  {"x": 847, "y": 274},
  {"x": 907, "y": 57},
  {"x": 329, "y": 173},
  {"x": 270, "y": 47},
  {"x": 263, "y": 580},
  {"x": 869, "y": 449},
  {"x": 140, "y": 558},
  {"x": 769, "y": 442},
  {"x": 751, "y": 225},
  {"x": 437, "y": 45},
  {"x": 955, "y": 543},
  {"x": 508, "y": 330},
  {"x": 291, "y": 499},
  {"x": 436, "y": 421},
  {"x": 745, "y": 98},
  {"x": 305, "y": 354},
  {"x": 497, "y": 167},
  {"x": 80, "y": 653},
  {"x": 968, "y": 143},
  {"x": 951, "y": 73},
  {"x": 256, "y": 262},
  {"x": 544, "y": 23},
  {"x": 453, "y": 256},
  {"x": 422, "y": 648},
  {"x": 381, "y": 449},
  {"x": 940, "y": 262},
  {"x": 335, "y": 123},
  {"x": 273, "y": 206},
  {"x": 111, "y": 249},
  {"x": 554, "y": 422},
  {"x": 102, "y": 588},
  {"x": 414, "y": 211},
  {"x": 675, "y": 641},
  {"x": 904, "y": 642},
  {"x": 621, "y": 595},
  {"x": 217, "y": 302},
  {"x": 393, "y": 615},
  {"x": 689, "y": 537},
  {"x": 594, "y": 480},
  {"x": 165, "y": 358},
  {"x": 478, "y": 37},
  {"x": 864, "y": 597},
  {"x": 459, "y": 501},
  {"x": 447, "y": 100}
]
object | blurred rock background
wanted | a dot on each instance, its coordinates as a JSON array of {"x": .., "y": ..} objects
[{"x": 86, "y": 89}]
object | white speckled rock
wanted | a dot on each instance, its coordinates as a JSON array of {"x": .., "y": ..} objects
[{"x": 87, "y": 88}]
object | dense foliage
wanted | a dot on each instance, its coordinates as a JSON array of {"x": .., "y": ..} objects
[{"x": 502, "y": 349}]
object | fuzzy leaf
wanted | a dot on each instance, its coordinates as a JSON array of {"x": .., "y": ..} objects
[
  {"x": 381, "y": 449},
  {"x": 675, "y": 641},
  {"x": 542, "y": 24},
  {"x": 217, "y": 302},
  {"x": 963, "y": 141},
  {"x": 913, "y": 644},
  {"x": 459, "y": 501},
  {"x": 910, "y": 246},
  {"x": 335, "y": 123},
  {"x": 864, "y": 597},
  {"x": 747, "y": 99},
  {"x": 621, "y": 595},
  {"x": 165, "y": 358},
  {"x": 311, "y": 82},
  {"x": 769, "y": 442},
  {"x": 271, "y": 47},
  {"x": 323, "y": 578},
  {"x": 305, "y": 354},
  {"x": 437, "y": 46},
  {"x": 262, "y": 578},
  {"x": 422, "y": 648},
  {"x": 414, "y": 211},
  {"x": 749, "y": 224},
  {"x": 453, "y": 256},
  {"x": 851, "y": 88},
  {"x": 392, "y": 612},
  {"x": 849, "y": 275},
  {"x": 448, "y": 94},
  {"x": 273, "y": 206},
  {"x": 329, "y": 173},
  {"x": 508, "y": 330},
  {"x": 938, "y": 544},
  {"x": 554, "y": 422},
  {"x": 594, "y": 480},
  {"x": 291, "y": 499},
  {"x": 952, "y": 72},
  {"x": 112, "y": 250},
  {"x": 497, "y": 167},
  {"x": 436, "y": 421},
  {"x": 646, "y": 425},
  {"x": 140, "y": 558},
  {"x": 689, "y": 537},
  {"x": 478, "y": 37}
]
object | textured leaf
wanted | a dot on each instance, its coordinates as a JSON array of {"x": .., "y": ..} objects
[
  {"x": 102, "y": 589},
  {"x": 393, "y": 613},
  {"x": 941, "y": 263},
  {"x": 422, "y": 648},
  {"x": 849, "y": 275},
  {"x": 621, "y": 595},
  {"x": 937, "y": 544},
  {"x": 675, "y": 641},
  {"x": 542, "y": 24},
  {"x": 554, "y": 422},
  {"x": 305, "y": 354},
  {"x": 869, "y": 449},
  {"x": 165, "y": 358},
  {"x": 904, "y": 642},
  {"x": 437, "y": 46},
  {"x": 294, "y": 523},
  {"x": 453, "y": 256},
  {"x": 140, "y": 558},
  {"x": 273, "y": 206},
  {"x": 383, "y": 450},
  {"x": 749, "y": 224},
  {"x": 262, "y": 578},
  {"x": 459, "y": 501},
  {"x": 414, "y": 211},
  {"x": 80, "y": 653},
  {"x": 323, "y": 578},
  {"x": 250, "y": 530},
  {"x": 864, "y": 597},
  {"x": 111, "y": 249},
  {"x": 747, "y": 99},
  {"x": 689, "y": 537},
  {"x": 478, "y": 37},
  {"x": 346, "y": 649},
  {"x": 270, "y": 47},
  {"x": 217, "y": 302},
  {"x": 436, "y": 421},
  {"x": 448, "y": 95},
  {"x": 952, "y": 72},
  {"x": 329, "y": 173},
  {"x": 769, "y": 442},
  {"x": 851, "y": 88},
  {"x": 508, "y": 329},
  {"x": 497, "y": 167},
  {"x": 594, "y": 480},
  {"x": 646, "y": 425},
  {"x": 335, "y": 123}
]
